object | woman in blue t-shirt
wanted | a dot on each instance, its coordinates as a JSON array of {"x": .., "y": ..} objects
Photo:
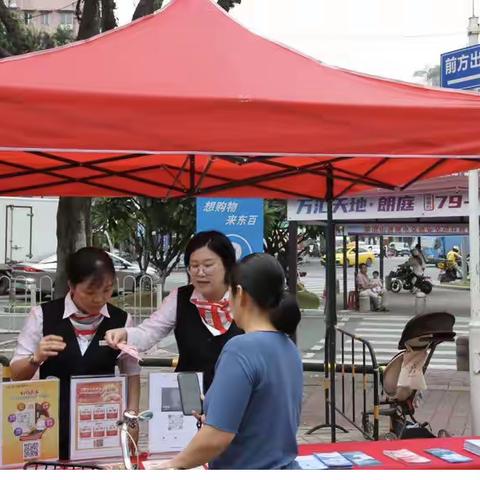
[{"x": 252, "y": 409}]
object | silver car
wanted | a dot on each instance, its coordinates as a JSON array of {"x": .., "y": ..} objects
[{"x": 40, "y": 274}]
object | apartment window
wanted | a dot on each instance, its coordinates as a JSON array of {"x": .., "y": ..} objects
[
  {"x": 45, "y": 18},
  {"x": 27, "y": 17},
  {"x": 66, "y": 18}
]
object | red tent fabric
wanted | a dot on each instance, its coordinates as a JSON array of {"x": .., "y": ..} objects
[{"x": 187, "y": 101}]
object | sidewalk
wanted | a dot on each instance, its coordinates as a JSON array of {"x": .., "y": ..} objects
[{"x": 445, "y": 405}]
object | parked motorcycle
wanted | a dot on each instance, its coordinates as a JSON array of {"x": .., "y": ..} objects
[
  {"x": 448, "y": 271},
  {"x": 404, "y": 278}
]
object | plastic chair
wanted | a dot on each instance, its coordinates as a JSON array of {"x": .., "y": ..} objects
[{"x": 352, "y": 302}]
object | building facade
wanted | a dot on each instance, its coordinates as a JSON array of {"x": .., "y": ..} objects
[{"x": 46, "y": 15}]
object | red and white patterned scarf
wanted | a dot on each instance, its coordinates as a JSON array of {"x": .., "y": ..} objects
[
  {"x": 215, "y": 315},
  {"x": 85, "y": 325}
]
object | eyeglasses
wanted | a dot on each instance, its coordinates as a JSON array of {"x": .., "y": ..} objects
[{"x": 206, "y": 269}]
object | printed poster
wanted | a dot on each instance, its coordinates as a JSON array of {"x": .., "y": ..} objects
[
  {"x": 29, "y": 421},
  {"x": 169, "y": 430},
  {"x": 96, "y": 404}
]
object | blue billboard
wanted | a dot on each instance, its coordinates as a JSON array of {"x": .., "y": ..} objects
[
  {"x": 461, "y": 68},
  {"x": 241, "y": 219}
]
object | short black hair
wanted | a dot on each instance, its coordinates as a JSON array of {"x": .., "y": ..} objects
[
  {"x": 89, "y": 263},
  {"x": 218, "y": 243},
  {"x": 263, "y": 278},
  {"x": 362, "y": 264},
  {"x": 375, "y": 272}
]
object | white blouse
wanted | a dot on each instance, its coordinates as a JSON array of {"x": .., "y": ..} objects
[
  {"x": 32, "y": 333},
  {"x": 161, "y": 323}
]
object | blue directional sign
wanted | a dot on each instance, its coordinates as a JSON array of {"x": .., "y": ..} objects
[
  {"x": 241, "y": 219},
  {"x": 461, "y": 68}
]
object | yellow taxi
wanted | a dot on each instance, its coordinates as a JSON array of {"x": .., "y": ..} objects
[{"x": 364, "y": 256}]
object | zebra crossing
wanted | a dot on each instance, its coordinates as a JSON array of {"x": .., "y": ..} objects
[{"x": 383, "y": 333}]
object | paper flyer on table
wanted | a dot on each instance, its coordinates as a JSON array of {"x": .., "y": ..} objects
[
  {"x": 29, "y": 421},
  {"x": 96, "y": 404},
  {"x": 169, "y": 430}
]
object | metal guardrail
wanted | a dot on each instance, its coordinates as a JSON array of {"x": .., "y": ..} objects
[
  {"x": 346, "y": 364},
  {"x": 138, "y": 295}
]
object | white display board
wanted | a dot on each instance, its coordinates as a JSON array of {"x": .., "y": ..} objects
[{"x": 169, "y": 430}]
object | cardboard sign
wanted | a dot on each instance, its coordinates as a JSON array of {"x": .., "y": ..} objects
[{"x": 29, "y": 421}]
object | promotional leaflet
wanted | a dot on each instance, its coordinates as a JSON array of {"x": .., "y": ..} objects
[
  {"x": 310, "y": 462},
  {"x": 29, "y": 421},
  {"x": 334, "y": 460},
  {"x": 448, "y": 455},
  {"x": 96, "y": 404},
  {"x": 169, "y": 430},
  {"x": 405, "y": 456},
  {"x": 361, "y": 459}
]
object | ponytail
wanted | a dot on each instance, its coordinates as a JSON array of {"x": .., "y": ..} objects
[
  {"x": 263, "y": 278},
  {"x": 286, "y": 316}
]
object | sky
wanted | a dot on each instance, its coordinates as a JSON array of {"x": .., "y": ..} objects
[{"x": 389, "y": 38}]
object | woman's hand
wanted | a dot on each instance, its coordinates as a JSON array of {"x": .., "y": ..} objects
[
  {"x": 49, "y": 346},
  {"x": 116, "y": 336},
  {"x": 200, "y": 418}
]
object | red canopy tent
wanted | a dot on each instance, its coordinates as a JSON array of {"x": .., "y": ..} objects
[{"x": 187, "y": 101}]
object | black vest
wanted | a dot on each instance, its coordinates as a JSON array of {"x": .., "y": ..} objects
[
  {"x": 198, "y": 349},
  {"x": 96, "y": 360}
]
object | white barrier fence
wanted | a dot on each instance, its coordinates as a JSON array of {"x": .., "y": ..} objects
[{"x": 138, "y": 295}]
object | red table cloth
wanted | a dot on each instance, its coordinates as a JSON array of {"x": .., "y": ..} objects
[{"x": 375, "y": 449}]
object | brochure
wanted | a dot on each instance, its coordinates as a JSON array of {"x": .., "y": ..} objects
[
  {"x": 472, "y": 446},
  {"x": 361, "y": 459},
  {"x": 29, "y": 421},
  {"x": 334, "y": 460},
  {"x": 448, "y": 455},
  {"x": 405, "y": 456},
  {"x": 96, "y": 405},
  {"x": 310, "y": 462}
]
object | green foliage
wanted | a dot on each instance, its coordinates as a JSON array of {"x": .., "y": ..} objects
[
  {"x": 228, "y": 4},
  {"x": 276, "y": 232},
  {"x": 29, "y": 40},
  {"x": 157, "y": 229},
  {"x": 307, "y": 299}
]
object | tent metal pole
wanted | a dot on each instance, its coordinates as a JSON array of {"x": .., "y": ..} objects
[
  {"x": 382, "y": 255},
  {"x": 331, "y": 320},
  {"x": 474, "y": 232},
  {"x": 292, "y": 262},
  {"x": 345, "y": 271}
]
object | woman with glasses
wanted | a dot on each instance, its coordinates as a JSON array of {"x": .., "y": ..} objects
[
  {"x": 252, "y": 409},
  {"x": 198, "y": 313}
]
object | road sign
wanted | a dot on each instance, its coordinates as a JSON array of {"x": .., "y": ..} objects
[
  {"x": 461, "y": 68},
  {"x": 241, "y": 219}
]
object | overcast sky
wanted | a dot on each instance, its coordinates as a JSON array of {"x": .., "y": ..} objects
[{"x": 390, "y": 38}]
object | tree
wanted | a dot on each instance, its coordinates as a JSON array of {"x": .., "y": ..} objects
[
  {"x": 228, "y": 4},
  {"x": 276, "y": 232},
  {"x": 73, "y": 215},
  {"x": 16, "y": 38},
  {"x": 158, "y": 229},
  {"x": 431, "y": 75}
]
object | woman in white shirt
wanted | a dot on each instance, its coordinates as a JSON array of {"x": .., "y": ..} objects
[
  {"x": 62, "y": 338},
  {"x": 198, "y": 313}
]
